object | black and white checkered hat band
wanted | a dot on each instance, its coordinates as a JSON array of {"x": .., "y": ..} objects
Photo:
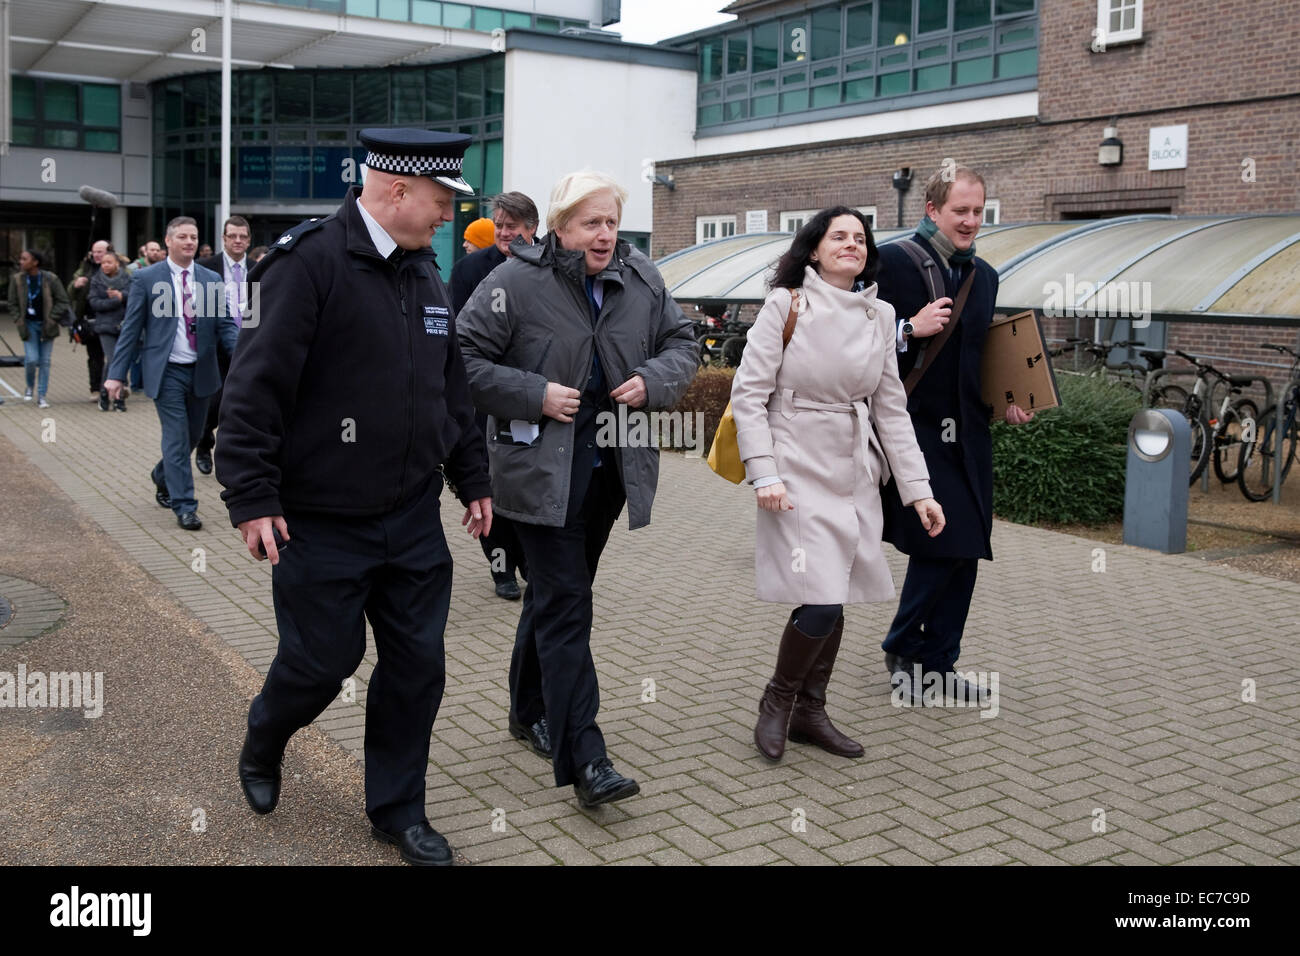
[{"x": 413, "y": 165}]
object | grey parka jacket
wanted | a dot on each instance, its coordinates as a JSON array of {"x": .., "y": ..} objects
[{"x": 529, "y": 323}]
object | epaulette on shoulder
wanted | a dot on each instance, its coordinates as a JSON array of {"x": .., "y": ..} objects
[{"x": 290, "y": 239}]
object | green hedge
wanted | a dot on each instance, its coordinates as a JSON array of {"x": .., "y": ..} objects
[
  {"x": 1067, "y": 465},
  {"x": 709, "y": 393}
]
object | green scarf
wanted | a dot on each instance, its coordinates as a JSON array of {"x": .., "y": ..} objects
[{"x": 943, "y": 245}]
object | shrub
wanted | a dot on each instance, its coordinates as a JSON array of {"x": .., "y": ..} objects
[
  {"x": 709, "y": 393},
  {"x": 1067, "y": 465}
]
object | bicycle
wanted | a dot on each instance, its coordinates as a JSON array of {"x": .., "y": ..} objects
[
  {"x": 1129, "y": 374},
  {"x": 1221, "y": 437},
  {"x": 1257, "y": 464}
]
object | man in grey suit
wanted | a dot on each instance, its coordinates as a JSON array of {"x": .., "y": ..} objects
[{"x": 181, "y": 307}]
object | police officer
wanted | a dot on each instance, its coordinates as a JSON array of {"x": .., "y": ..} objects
[{"x": 342, "y": 402}]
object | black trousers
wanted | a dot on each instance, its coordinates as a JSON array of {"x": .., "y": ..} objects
[
  {"x": 95, "y": 362},
  {"x": 336, "y": 572},
  {"x": 932, "y": 611},
  {"x": 209, "y": 439},
  {"x": 502, "y": 549},
  {"x": 552, "y": 674}
]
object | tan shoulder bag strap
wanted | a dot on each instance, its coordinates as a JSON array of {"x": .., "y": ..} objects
[{"x": 790, "y": 319}]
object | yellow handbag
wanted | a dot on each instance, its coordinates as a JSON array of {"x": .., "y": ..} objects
[{"x": 724, "y": 453}]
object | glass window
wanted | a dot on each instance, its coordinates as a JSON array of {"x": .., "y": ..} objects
[
  {"x": 735, "y": 110},
  {"x": 893, "y": 84},
  {"x": 895, "y": 22},
  {"x": 469, "y": 90},
  {"x": 1017, "y": 36},
  {"x": 822, "y": 72},
  {"x": 710, "y": 115},
  {"x": 864, "y": 65},
  {"x": 857, "y": 21},
  {"x": 933, "y": 15},
  {"x": 797, "y": 78},
  {"x": 794, "y": 41},
  {"x": 933, "y": 52},
  {"x": 794, "y": 101},
  {"x": 765, "y": 48},
  {"x": 333, "y": 101},
  {"x": 24, "y": 98},
  {"x": 552, "y": 24},
  {"x": 426, "y": 11},
  {"x": 763, "y": 105},
  {"x": 59, "y": 102},
  {"x": 862, "y": 89},
  {"x": 496, "y": 87},
  {"x": 973, "y": 43},
  {"x": 392, "y": 10},
  {"x": 968, "y": 14},
  {"x": 973, "y": 71},
  {"x": 1019, "y": 63},
  {"x": 737, "y": 89},
  {"x": 827, "y": 95},
  {"x": 488, "y": 20},
  {"x": 1010, "y": 7},
  {"x": 356, "y": 8},
  {"x": 408, "y": 96},
  {"x": 292, "y": 172},
  {"x": 101, "y": 104},
  {"x": 519, "y": 20},
  {"x": 493, "y": 167},
  {"x": 826, "y": 33},
  {"x": 710, "y": 58},
  {"x": 252, "y": 100},
  {"x": 932, "y": 77},
  {"x": 102, "y": 141},
  {"x": 767, "y": 83},
  {"x": 370, "y": 98},
  {"x": 737, "y": 53},
  {"x": 24, "y": 135},
  {"x": 196, "y": 100},
  {"x": 292, "y": 97},
  {"x": 459, "y": 16},
  {"x": 327, "y": 171},
  {"x": 440, "y": 95}
]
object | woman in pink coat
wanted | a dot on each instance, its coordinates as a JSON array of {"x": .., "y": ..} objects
[{"x": 804, "y": 422}]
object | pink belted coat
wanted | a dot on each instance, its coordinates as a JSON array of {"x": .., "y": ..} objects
[{"x": 805, "y": 416}]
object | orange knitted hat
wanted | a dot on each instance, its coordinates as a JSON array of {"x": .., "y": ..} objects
[{"x": 481, "y": 233}]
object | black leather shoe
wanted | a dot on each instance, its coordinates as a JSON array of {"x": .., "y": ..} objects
[
  {"x": 203, "y": 461},
  {"x": 537, "y": 736},
  {"x": 895, "y": 663},
  {"x": 261, "y": 783},
  {"x": 508, "y": 589},
  {"x": 161, "y": 496},
  {"x": 189, "y": 521},
  {"x": 598, "y": 782},
  {"x": 419, "y": 845}
]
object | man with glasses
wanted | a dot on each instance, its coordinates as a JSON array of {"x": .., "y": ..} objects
[{"x": 232, "y": 265}]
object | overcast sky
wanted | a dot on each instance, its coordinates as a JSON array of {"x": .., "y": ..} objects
[{"x": 649, "y": 21}]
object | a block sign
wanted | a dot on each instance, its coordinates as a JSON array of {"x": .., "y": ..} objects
[
  {"x": 1168, "y": 147},
  {"x": 756, "y": 220}
]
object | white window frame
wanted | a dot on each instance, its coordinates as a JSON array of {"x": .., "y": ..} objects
[
  {"x": 870, "y": 213},
  {"x": 716, "y": 227},
  {"x": 803, "y": 215},
  {"x": 992, "y": 212},
  {"x": 1113, "y": 38}
]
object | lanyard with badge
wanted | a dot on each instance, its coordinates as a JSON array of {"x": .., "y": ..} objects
[{"x": 33, "y": 293}]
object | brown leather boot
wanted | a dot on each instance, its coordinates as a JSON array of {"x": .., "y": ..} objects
[
  {"x": 809, "y": 723},
  {"x": 796, "y": 656}
]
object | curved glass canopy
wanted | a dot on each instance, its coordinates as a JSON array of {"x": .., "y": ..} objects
[{"x": 1202, "y": 268}]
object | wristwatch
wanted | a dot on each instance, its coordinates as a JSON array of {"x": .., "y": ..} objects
[{"x": 908, "y": 329}]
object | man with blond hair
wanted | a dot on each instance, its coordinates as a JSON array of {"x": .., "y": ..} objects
[
  {"x": 943, "y": 297},
  {"x": 566, "y": 330}
]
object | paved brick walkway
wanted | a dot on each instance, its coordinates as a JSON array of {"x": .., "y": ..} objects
[{"x": 1121, "y": 734}]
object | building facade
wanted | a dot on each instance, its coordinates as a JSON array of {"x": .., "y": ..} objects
[
  {"x": 1207, "y": 119},
  {"x": 541, "y": 90}
]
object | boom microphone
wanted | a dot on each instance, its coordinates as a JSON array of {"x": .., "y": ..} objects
[{"x": 98, "y": 197}]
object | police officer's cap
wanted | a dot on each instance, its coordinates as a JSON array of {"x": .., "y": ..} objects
[{"x": 418, "y": 152}]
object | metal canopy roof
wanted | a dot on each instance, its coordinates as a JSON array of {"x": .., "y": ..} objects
[
  {"x": 130, "y": 40},
  {"x": 1234, "y": 269}
]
